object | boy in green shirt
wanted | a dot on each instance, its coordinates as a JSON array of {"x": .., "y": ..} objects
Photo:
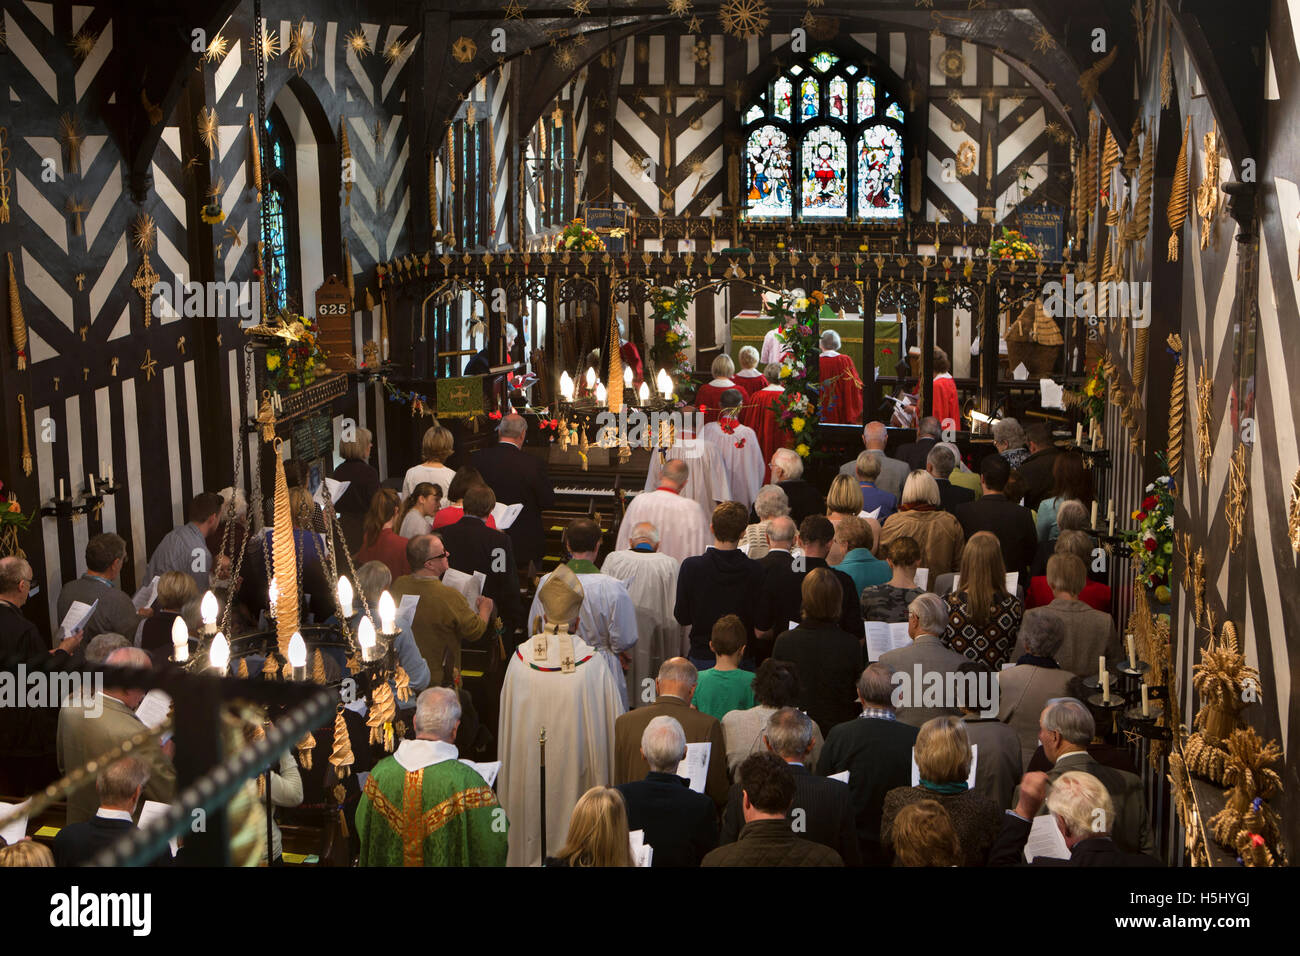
[{"x": 725, "y": 687}]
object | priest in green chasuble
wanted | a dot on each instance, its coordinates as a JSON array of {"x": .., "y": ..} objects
[{"x": 423, "y": 807}]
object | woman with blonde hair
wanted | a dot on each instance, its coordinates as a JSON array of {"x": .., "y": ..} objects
[
  {"x": 175, "y": 590},
  {"x": 748, "y": 378},
  {"x": 598, "y": 832},
  {"x": 436, "y": 448},
  {"x": 943, "y": 757},
  {"x": 708, "y": 398},
  {"x": 983, "y": 617},
  {"x": 845, "y": 500},
  {"x": 919, "y": 517},
  {"x": 26, "y": 853},
  {"x": 380, "y": 541}
]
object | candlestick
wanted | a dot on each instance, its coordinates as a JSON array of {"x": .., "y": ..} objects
[
  {"x": 366, "y": 638},
  {"x": 180, "y": 640},
  {"x": 1146, "y": 706},
  {"x": 1132, "y": 657},
  {"x": 298, "y": 656},
  {"x": 1094, "y": 515}
]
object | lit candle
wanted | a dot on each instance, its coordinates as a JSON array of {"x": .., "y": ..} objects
[
  {"x": 180, "y": 640},
  {"x": 627, "y": 376},
  {"x": 1146, "y": 705},
  {"x": 1094, "y": 515},
  {"x": 298, "y": 656},
  {"x": 664, "y": 383},
  {"x": 345, "y": 597},
  {"x": 208, "y": 612},
  {"x": 591, "y": 379},
  {"x": 1132, "y": 657},
  {"x": 273, "y": 594},
  {"x": 566, "y": 386},
  {"x": 387, "y": 614},
  {"x": 219, "y": 653},
  {"x": 643, "y": 393},
  {"x": 601, "y": 394},
  {"x": 366, "y": 638},
  {"x": 1078, "y": 434}
]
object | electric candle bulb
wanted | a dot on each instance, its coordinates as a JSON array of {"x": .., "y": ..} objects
[
  {"x": 600, "y": 392},
  {"x": 366, "y": 638},
  {"x": 627, "y": 376},
  {"x": 591, "y": 379},
  {"x": 664, "y": 383},
  {"x": 219, "y": 652},
  {"x": 387, "y": 614},
  {"x": 566, "y": 386},
  {"x": 208, "y": 609},
  {"x": 345, "y": 597},
  {"x": 273, "y": 593},
  {"x": 180, "y": 640},
  {"x": 643, "y": 393},
  {"x": 298, "y": 656}
]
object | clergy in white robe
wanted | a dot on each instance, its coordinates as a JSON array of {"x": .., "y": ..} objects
[
  {"x": 773, "y": 351},
  {"x": 738, "y": 449},
  {"x": 607, "y": 620},
  {"x": 557, "y": 682},
  {"x": 708, "y": 483},
  {"x": 683, "y": 525},
  {"x": 651, "y": 581}
]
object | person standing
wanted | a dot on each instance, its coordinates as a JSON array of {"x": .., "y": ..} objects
[
  {"x": 709, "y": 398},
  {"x": 651, "y": 581},
  {"x": 738, "y": 447},
  {"x": 105, "y": 556},
  {"x": 1009, "y": 522},
  {"x": 762, "y": 413},
  {"x": 186, "y": 548},
  {"x": 893, "y": 473},
  {"x": 721, "y": 580},
  {"x": 435, "y": 448},
  {"x": 475, "y": 545},
  {"x": 363, "y": 483},
  {"x": 683, "y": 525},
  {"x": 517, "y": 477},
  {"x": 841, "y": 386}
]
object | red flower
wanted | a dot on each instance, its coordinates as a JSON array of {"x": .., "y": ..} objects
[
  {"x": 1149, "y": 502},
  {"x": 494, "y": 415},
  {"x": 1149, "y": 544},
  {"x": 741, "y": 443},
  {"x": 1142, "y": 516},
  {"x": 886, "y": 351}
]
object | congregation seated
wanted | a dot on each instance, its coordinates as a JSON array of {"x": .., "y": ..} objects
[
  {"x": 938, "y": 534},
  {"x": 1039, "y": 467},
  {"x": 923, "y": 836},
  {"x": 1071, "y": 481},
  {"x": 939, "y": 465},
  {"x": 997, "y": 512},
  {"x": 851, "y": 553},
  {"x": 1071, "y": 515},
  {"x": 1094, "y": 594},
  {"x": 983, "y": 617},
  {"x": 770, "y": 502},
  {"x": 827, "y": 817},
  {"x": 828, "y": 658},
  {"x": 929, "y": 431},
  {"x": 926, "y": 621},
  {"x": 943, "y": 757},
  {"x": 888, "y": 602},
  {"x": 598, "y": 832},
  {"x": 776, "y": 685},
  {"x": 1089, "y": 633},
  {"x": 680, "y": 824}
]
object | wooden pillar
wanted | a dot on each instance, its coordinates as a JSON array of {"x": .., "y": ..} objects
[
  {"x": 988, "y": 346},
  {"x": 871, "y": 398}
]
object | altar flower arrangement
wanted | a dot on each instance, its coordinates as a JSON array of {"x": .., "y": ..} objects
[
  {"x": 1152, "y": 543},
  {"x": 1011, "y": 245},
  {"x": 576, "y": 237},
  {"x": 671, "y": 351},
  {"x": 798, "y": 341},
  {"x": 294, "y": 365}
]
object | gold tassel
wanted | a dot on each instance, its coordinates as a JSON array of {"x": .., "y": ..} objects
[
  {"x": 1167, "y": 75},
  {"x": 70, "y": 133},
  {"x": 1109, "y": 160},
  {"x": 255, "y": 154},
  {"x": 1146, "y": 183},
  {"x": 451, "y": 156},
  {"x": 1177, "y": 208},
  {"x": 1133, "y": 155},
  {"x": 271, "y": 667},
  {"x": 318, "y": 669},
  {"x": 1207, "y": 194},
  {"x": 284, "y": 561},
  {"x": 17, "y": 323},
  {"x": 27, "y": 448},
  {"x": 1177, "y": 399},
  {"x": 346, "y": 152},
  {"x": 614, "y": 397},
  {"x": 341, "y": 757},
  {"x": 304, "y": 748},
  {"x": 433, "y": 191},
  {"x": 380, "y": 717},
  {"x": 402, "y": 681}
]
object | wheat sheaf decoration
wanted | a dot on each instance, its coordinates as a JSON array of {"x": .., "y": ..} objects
[
  {"x": 1178, "y": 196},
  {"x": 1177, "y": 400},
  {"x": 71, "y": 136},
  {"x": 1237, "y": 498},
  {"x": 209, "y": 130},
  {"x": 1204, "y": 416},
  {"x": 1146, "y": 184}
]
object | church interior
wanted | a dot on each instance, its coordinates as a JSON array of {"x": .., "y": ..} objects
[{"x": 324, "y": 260}]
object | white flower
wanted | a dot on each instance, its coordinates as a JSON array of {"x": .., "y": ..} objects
[
  {"x": 1169, "y": 522},
  {"x": 1151, "y": 487}
]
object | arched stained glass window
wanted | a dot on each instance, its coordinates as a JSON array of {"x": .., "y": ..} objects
[
  {"x": 824, "y": 140},
  {"x": 282, "y": 273}
]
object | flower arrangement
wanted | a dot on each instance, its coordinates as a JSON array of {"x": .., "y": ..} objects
[
  {"x": 671, "y": 351},
  {"x": 798, "y": 340},
  {"x": 12, "y": 520},
  {"x": 576, "y": 237},
  {"x": 1094, "y": 394},
  {"x": 1152, "y": 543},
  {"x": 294, "y": 365},
  {"x": 1011, "y": 245}
]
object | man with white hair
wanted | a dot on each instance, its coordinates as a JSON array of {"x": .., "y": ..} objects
[
  {"x": 940, "y": 463},
  {"x": 841, "y": 386},
  {"x": 1084, "y": 813},
  {"x": 738, "y": 449},
  {"x": 651, "y": 580},
  {"x": 762, "y": 413},
  {"x": 893, "y": 473},
  {"x": 101, "y": 723},
  {"x": 424, "y": 807},
  {"x": 927, "y": 618},
  {"x": 787, "y": 473},
  {"x": 680, "y": 824},
  {"x": 517, "y": 477},
  {"x": 770, "y": 502},
  {"x": 683, "y": 525}
]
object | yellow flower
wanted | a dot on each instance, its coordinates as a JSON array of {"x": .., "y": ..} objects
[
  {"x": 802, "y": 450},
  {"x": 801, "y": 304},
  {"x": 797, "y": 424},
  {"x": 785, "y": 371},
  {"x": 1135, "y": 515},
  {"x": 671, "y": 337},
  {"x": 272, "y": 361}
]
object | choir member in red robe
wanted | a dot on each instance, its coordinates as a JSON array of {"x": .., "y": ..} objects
[
  {"x": 841, "y": 395},
  {"x": 947, "y": 408},
  {"x": 709, "y": 397},
  {"x": 761, "y": 413},
  {"x": 748, "y": 378}
]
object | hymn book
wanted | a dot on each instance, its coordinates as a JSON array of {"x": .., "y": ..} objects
[
  {"x": 153, "y": 710},
  {"x": 16, "y": 828},
  {"x": 406, "y": 611},
  {"x": 77, "y": 617},
  {"x": 469, "y": 585},
  {"x": 146, "y": 595},
  {"x": 1045, "y": 840},
  {"x": 695, "y": 765},
  {"x": 151, "y": 811},
  {"x": 882, "y": 637},
  {"x": 505, "y": 515}
]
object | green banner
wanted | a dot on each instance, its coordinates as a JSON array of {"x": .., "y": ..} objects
[{"x": 460, "y": 397}]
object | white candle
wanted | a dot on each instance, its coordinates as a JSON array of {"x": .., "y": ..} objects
[
  {"x": 387, "y": 614},
  {"x": 1105, "y": 690},
  {"x": 643, "y": 393},
  {"x": 208, "y": 612},
  {"x": 345, "y": 597},
  {"x": 566, "y": 386},
  {"x": 366, "y": 638},
  {"x": 1101, "y": 671},
  {"x": 1132, "y": 657},
  {"x": 102, "y": 470},
  {"x": 1078, "y": 434},
  {"x": 180, "y": 640},
  {"x": 1111, "y": 524},
  {"x": 219, "y": 653},
  {"x": 93, "y": 492},
  {"x": 298, "y": 656},
  {"x": 1094, "y": 515},
  {"x": 62, "y": 492},
  {"x": 1146, "y": 706}
]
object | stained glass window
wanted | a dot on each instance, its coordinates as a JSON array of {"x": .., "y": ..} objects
[
  {"x": 809, "y": 100},
  {"x": 767, "y": 159},
  {"x": 825, "y": 173},
  {"x": 278, "y": 296},
  {"x": 824, "y": 141},
  {"x": 281, "y": 226},
  {"x": 880, "y": 173}
]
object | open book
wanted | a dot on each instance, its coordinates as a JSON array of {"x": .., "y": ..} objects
[
  {"x": 469, "y": 585},
  {"x": 1045, "y": 840},
  {"x": 883, "y": 637},
  {"x": 1013, "y": 581},
  {"x": 505, "y": 515},
  {"x": 78, "y": 614}
]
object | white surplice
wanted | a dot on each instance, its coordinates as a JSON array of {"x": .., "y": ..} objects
[
  {"x": 651, "y": 581},
  {"x": 743, "y": 465},
  {"x": 607, "y": 621},
  {"x": 707, "y": 483},
  {"x": 578, "y": 711},
  {"x": 682, "y": 524}
]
